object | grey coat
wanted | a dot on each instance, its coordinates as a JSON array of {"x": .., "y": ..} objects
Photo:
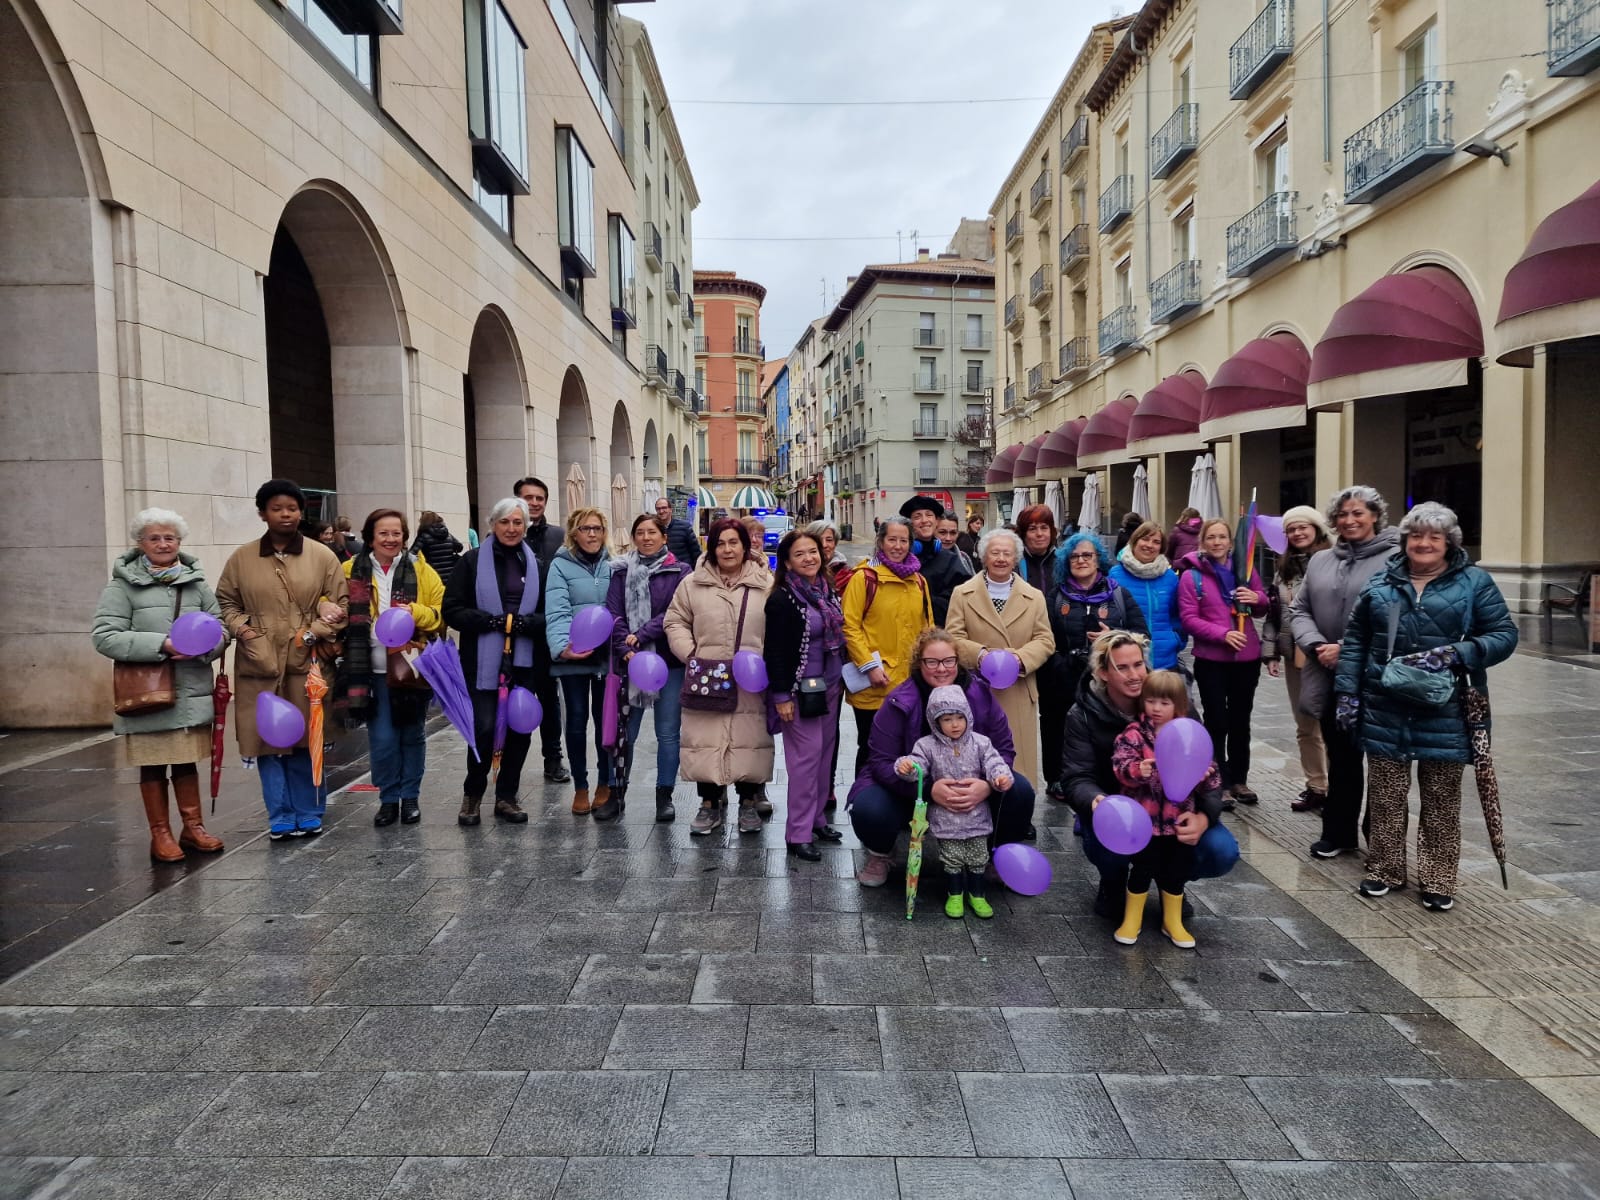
[
  {"x": 133, "y": 621},
  {"x": 1334, "y": 581}
]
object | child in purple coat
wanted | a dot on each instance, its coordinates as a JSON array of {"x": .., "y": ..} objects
[{"x": 954, "y": 751}]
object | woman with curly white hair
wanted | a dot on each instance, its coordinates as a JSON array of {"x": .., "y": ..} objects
[
  {"x": 151, "y": 586},
  {"x": 1426, "y": 628}
]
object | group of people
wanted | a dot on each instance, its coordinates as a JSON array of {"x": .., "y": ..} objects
[{"x": 1100, "y": 656}]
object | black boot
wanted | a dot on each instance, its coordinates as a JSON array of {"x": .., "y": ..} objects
[
  {"x": 1109, "y": 900},
  {"x": 665, "y": 813},
  {"x": 616, "y": 800},
  {"x": 469, "y": 810},
  {"x": 387, "y": 814}
]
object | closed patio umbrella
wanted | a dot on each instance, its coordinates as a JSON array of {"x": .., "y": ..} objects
[
  {"x": 1089, "y": 513},
  {"x": 1141, "y": 491},
  {"x": 1053, "y": 501},
  {"x": 1204, "y": 495}
]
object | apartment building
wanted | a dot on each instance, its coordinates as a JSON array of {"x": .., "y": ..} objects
[
  {"x": 663, "y": 272},
  {"x": 729, "y": 357},
  {"x": 1346, "y": 248},
  {"x": 806, "y": 480},
  {"x": 908, "y": 368},
  {"x": 381, "y": 250}
]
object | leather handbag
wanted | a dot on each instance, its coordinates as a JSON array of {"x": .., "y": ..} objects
[
  {"x": 708, "y": 684},
  {"x": 811, "y": 698},
  {"x": 1414, "y": 685},
  {"x": 138, "y": 688}
]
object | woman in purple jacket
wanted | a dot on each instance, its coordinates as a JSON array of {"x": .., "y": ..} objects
[
  {"x": 642, "y": 583},
  {"x": 881, "y": 800},
  {"x": 1216, "y": 609}
]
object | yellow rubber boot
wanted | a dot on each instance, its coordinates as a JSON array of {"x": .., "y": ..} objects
[
  {"x": 1172, "y": 921},
  {"x": 1132, "y": 919}
]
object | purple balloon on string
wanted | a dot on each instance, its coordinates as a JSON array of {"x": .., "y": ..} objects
[
  {"x": 1271, "y": 531},
  {"x": 1022, "y": 868},
  {"x": 1121, "y": 825},
  {"x": 647, "y": 671},
  {"x": 1183, "y": 756},
  {"x": 1000, "y": 668},
  {"x": 523, "y": 711},
  {"x": 394, "y": 627},
  {"x": 750, "y": 671},
  {"x": 590, "y": 628},
  {"x": 278, "y": 723},
  {"x": 195, "y": 633}
]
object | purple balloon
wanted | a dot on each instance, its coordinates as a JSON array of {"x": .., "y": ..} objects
[
  {"x": 278, "y": 723},
  {"x": 647, "y": 671},
  {"x": 1183, "y": 756},
  {"x": 750, "y": 671},
  {"x": 196, "y": 633},
  {"x": 591, "y": 627},
  {"x": 1022, "y": 868},
  {"x": 394, "y": 627},
  {"x": 523, "y": 711},
  {"x": 1271, "y": 531},
  {"x": 1000, "y": 668},
  {"x": 1122, "y": 825}
]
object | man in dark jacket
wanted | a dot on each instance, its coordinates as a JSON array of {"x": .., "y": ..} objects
[
  {"x": 1108, "y": 702},
  {"x": 943, "y": 569},
  {"x": 681, "y": 540},
  {"x": 544, "y": 539}
]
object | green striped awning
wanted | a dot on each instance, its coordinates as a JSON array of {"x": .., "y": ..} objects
[
  {"x": 751, "y": 496},
  {"x": 704, "y": 498}
]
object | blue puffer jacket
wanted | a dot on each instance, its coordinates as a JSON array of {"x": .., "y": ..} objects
[
  {"x": 571, "y": 585},
  {"x": 1392, "y": 728},
  {"x": 1158, "y": 600}
]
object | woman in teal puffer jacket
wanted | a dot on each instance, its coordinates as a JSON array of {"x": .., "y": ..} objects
[
  {"x": 150, "y": 585},
  {"x": 580, "y": 576},
  {"x": 1448, "y": 617}
]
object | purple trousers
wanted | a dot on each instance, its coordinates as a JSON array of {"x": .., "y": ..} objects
[{"x": 808, "y": 745}]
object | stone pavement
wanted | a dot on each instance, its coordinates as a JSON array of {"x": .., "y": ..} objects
[{"x": 572, "y": 1010}]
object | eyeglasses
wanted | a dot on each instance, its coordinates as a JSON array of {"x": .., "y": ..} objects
[
  {"x": 938, "y": 664},
  {"x": 591, "y": 528},
  {"x": 1089, "y": 557}
]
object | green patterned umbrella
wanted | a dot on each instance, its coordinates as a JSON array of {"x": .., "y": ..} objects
[{"x": 919, "y": 826}]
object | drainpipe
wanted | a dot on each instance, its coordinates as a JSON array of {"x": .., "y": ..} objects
[
  {"x": 1327, "y": 94},
  {"x": 1144, "y": 58},
  {"x": 950, "y": 393}
]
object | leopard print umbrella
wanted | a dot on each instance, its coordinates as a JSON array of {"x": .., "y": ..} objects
[{"x": 1475, "y": 706}]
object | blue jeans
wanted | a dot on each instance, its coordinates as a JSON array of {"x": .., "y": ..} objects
[
  {"x": 287, "y": 790},
  {"x": 668, "y": 709},
  {"x": 580, "y": 694},
  {"x": 398, "y": 753},
  {"x": 878, "y": 815},
  {"x": 1214, "y": 855}
]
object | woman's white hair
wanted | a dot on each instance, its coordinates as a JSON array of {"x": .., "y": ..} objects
[
  {"x": 1369, "y": 496},
  {"x": 504, "y": 508},
  {"x": 818, "y": 528},
  {"x": 1003, "y": 534},
  {"x": 1431, "y": 517},
  {"x": 163, "y": 518}
]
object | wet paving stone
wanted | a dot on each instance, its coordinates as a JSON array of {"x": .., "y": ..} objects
[
  {"x": 891, "y": 1112},
  {"x": 737, "y": 1112},
  {"x": 956, "y": 1039},
  {"x": 753, "y": 979},
  {"x": 584, "y": 1113}
]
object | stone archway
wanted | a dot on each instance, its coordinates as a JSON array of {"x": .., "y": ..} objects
[
  {"x": 60, "y": 486},
  {"x": 689, "y": 478},
  {"x": 336, "y": 372},
  {"x": 674, "y": 471},
  {"x": 621, "y": 469},
  {"x": 494, "y": 401},
  {"x": 574, "y": 442},
  {"x": 652, "y": 465}
]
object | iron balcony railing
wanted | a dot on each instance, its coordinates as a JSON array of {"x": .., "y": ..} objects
[
  {"x": 1013, "y": 229},
  {"x": 1118, "y": 330},
  {"x": 861, "y": 349},
  {"x": 925, "y": 476},
  {"x": 1265, "y": 42},
  {"x": 652, "y": 244},
  {"x": 688, "y": 307},
  {"x": 924, "y": 382},
  {"x": 1076, "y": 141},
  {"x": 1262, "y": 234},
  {"x": 1009, "y": 398},
  {"x": 750, "y": 466},
  {"x": 1176, "y": 292},
  {"x": 1040, "y": 287},
  {"x": 857, "y": 437},
  {"x": 1039, "y": 193},
  {"x": 856, "y": 481},
  {"x": 977, "y": 339},
  {"x": 673, "y": 281},
  {"x": 702, "y": 344},
  {"x": 1175, "y": 140},
  {"x": 1013, "y": 312},
  {"x": 1574, "y": 45},
  {"x": 976, "y": 384},
  {"x": 743, "y": 343},
  {"x": 930, "y": 429},
  {"x": 1038, "y": 381},
  {"x": 1406, "y": 139},
  {"x": 1074, "y": 355},
  {"x": 849, "y": 365},
  {"x": 1116, "y": 203},
  {"x": 655, "y": 365},
  {"x": 1075, "y": 247},
  {"x": 747, "y": 405},
  {"x": 857, "y": 393},
  {"x": 929, "y": 336},
  {"x": 680, "y": 385}
]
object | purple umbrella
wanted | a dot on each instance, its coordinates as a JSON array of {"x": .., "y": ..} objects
[{"x": 440, "y": 664}]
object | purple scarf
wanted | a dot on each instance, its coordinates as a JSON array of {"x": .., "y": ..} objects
[
  {"x": 904, "y": 569},
  {"x": 819, "y": 594},
  {"x": 1101, "y": 593},
  {"x": 491, "y": 645}
]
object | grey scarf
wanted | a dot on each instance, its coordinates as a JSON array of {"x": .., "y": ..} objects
[
  {"x": 636, "y": 598},
  {"x": 1139, "y": 570}
]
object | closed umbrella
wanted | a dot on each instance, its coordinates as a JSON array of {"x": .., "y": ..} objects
[
  {"x": 1053, "y": 501},
  {"x": 1019, "y": 501},
  {"x": 1197, "y": 474},
  {"x": 1475, "y": 709},
  {"x": 652, "y": 493},
  {"x": 1089, "y": 514},
  {"x": 1141, "y": 491},
  {"x": 316, "y": 693},
  {"x": 919, "y": 826},
  {"x": 219, "y": 722},
  {"x": 1208, "y": 499},
  {"x": 440, "y": 664}
]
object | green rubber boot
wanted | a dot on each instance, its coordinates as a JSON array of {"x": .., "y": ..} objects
[
  {"x": 975, "y": 896},
  {"x": 954, "y": 908}
]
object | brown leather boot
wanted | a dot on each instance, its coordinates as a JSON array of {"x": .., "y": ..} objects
[
  {"x": 580, "y": 802},
  {"x": 602, "y": 793},
  {"x": 186, "y": 791},
  {"x": 469, "y": 811},
  {"x": 162, "y": 847}
]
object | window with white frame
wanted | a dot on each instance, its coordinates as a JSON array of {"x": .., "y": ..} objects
[
  {"x": 1272, "y": 162},
  {"x": 928, "y": 372},
  {"x": 1122, "y": 283},
  {"x": 1183, "y": 243},
  {"x": 974, "y": 375},
  {"x": 497, "y": 95},
  {"x": 927, "y": 466},
  {"x": 1419, "y": 58}
]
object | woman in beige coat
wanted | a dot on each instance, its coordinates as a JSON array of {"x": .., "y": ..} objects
[
  {"x": 999, "y": 612},
  {"x": 701, "y": 622},
  {"x": 280, "y": 597}
]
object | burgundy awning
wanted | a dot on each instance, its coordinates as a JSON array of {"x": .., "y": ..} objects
[
  {"x": 1104, "y": 440},
  {"x": 1000, "y": 466},
  {"x": 1025, "y": 469},
  {"x": 1553, "y": 292},
  {"x": 1168, "y": 418},
  {"x": 1060, "y": 449},
  {"x": 1261, "y": 386},
  {"x": 1410, "y": 332}
]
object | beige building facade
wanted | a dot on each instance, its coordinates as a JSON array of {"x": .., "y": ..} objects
[
  {"x": 238, "y": 240},
  {"x": 1320, "y": 252}
]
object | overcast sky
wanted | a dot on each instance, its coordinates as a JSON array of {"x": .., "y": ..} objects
[{"x": 794, "y": 192}]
